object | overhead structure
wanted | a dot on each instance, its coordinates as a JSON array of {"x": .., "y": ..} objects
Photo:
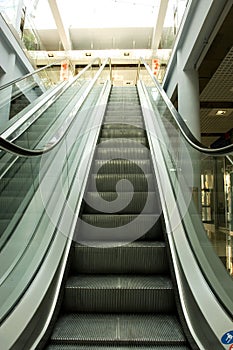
[
  {"x": 158, "y": 28},
  {"x": 62, "y": 29}
]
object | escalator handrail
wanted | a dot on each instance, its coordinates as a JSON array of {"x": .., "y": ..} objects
[
  {"x": 24, "y": 152},
  {"x": 184, "y": 129},
  {"x": 34, "y": 72},
  {"x": 26, "y": 76},
  {"x": 61, "y": 88}
]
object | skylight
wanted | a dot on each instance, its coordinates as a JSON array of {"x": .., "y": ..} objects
[{"x": 99, "y": 14}]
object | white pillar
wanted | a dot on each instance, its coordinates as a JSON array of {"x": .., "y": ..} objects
[
  {"x": 188, "y": 96},
  {"x": 5, "y": 94},
  {"x": 189, "y": 109}
]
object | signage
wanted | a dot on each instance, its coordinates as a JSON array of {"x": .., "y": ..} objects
[{"x": 227, "y": 338}]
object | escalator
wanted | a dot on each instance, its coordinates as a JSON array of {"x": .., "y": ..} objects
[
  {"x": 102, "y": 247},
  {"x": 120, "y": 290}
]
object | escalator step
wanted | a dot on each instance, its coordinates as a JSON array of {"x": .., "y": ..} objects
[
  {"x": 119, "y": 228},
  {"x": 122, "y": 166},
  {"x": 118, "y": 125},
  {"x": 119, "y": 293},
  {"x": 127, "y": 107},
  {"x": 134, "y": 258},
  {"x": 124, "y": 202},
  {"x": 121, "y": 117},
  {"x": 119, "y": 329},
  {"x": 124, "y": 153},
  {"x": 123, "y": 133},
  {"x": 121, "y": 182},
  {"x": 123, "y": 142}
]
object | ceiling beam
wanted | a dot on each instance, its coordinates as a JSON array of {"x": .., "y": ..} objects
[
  {"x": 158, "y": 28},
  {"x": 216, "y": 104},
  {"x": 62, "y": 29}
]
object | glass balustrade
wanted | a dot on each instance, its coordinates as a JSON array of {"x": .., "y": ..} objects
[
  {"x": 35, "y": 191},
  {"x": 19, "y": 96},
  {"x": 203, "y": 179}
]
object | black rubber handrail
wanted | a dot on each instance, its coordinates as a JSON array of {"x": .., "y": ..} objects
[
  {"x": 184, "y": 129},
  {"x": 24, "y": 152},
  {"x": 26, "y": 76}
]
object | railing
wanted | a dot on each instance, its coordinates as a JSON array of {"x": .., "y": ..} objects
[
  {"x": 44, "y": 109},
  {"x": 210, "y": 168},
  {"x": 41, "y": 193},
  {"x": 19, "y": 94},
  {"x": 187, "y": 165}
]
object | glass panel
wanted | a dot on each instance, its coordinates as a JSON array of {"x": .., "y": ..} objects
[
  {"x": 206, "y": 181},
  {"x": 35, "y": 190},
  {"x": 19, "y": 96}
]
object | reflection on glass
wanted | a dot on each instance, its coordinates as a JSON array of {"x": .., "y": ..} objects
[
  {"x": 34, "y": 190},
  {"x": 212, "y": 182}
]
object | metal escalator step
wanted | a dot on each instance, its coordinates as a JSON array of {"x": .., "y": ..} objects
[
  {"x": 120, "y": 329},
  {"x": 133, "y": 258},
  {"x": 123, "y": 133},
  {"x": 123, "y": 153},
  {"x": 122, "y": 166},
  {"x": 123, "y": 142},
  {"x": 123, "y": 119},
  {"x": 117, "y": 347},
  {"x": 122, "y": 202},
  {"x": 118, "y": 125},
  {"x": 121, "y": 182},
  {"x": 133, "y": 101},
  {"x": 117, "y": 100},
  {"x": 118, "y": 228},
  {"x": 119, "y": 293},
  {"x": 118, "y": 112},
  {"x": 123, "y": 107}
]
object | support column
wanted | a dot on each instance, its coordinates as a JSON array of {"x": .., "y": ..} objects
[
  {"x": 5, "y": 95},
  {"x": 188, "y": 96},
  {"x": 189, "y": 109}
]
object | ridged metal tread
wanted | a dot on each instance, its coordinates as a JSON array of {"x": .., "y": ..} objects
[
  {"x": 115, "y": 220},
  {"x": 132, "y": 258},
  {"x": 119, "y": 293},
  {"x": 123, "y": 133},
  {"x": 117, "y": 347},
  {"x": 123, "y": 153},
  {"x": 122, "y": 166},
  {"x": 123, "y": 142},
  {"x": 121, "y": 329},
  {"x": 124, "y": 107},
  {"x": 123, "y": 182},
  {"x": 119, "y": 228},
  {"x": 123, "y": 117},
  {"x": 122, "y": 202},
  {"x": 127, "y": 106},
  {"x": 119, "y": 125}
]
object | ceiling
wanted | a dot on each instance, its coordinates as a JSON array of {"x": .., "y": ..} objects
[
  {"x": 99, "y": 38},
  {"x": 215, "y": 71},
  {"x": 216, "y": 85}
]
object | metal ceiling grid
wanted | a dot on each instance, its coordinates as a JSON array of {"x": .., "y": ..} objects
[{"x": 220, "y": 87}]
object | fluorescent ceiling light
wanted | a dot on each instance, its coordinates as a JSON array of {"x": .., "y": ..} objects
[{"x": 221, "y": 112}]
